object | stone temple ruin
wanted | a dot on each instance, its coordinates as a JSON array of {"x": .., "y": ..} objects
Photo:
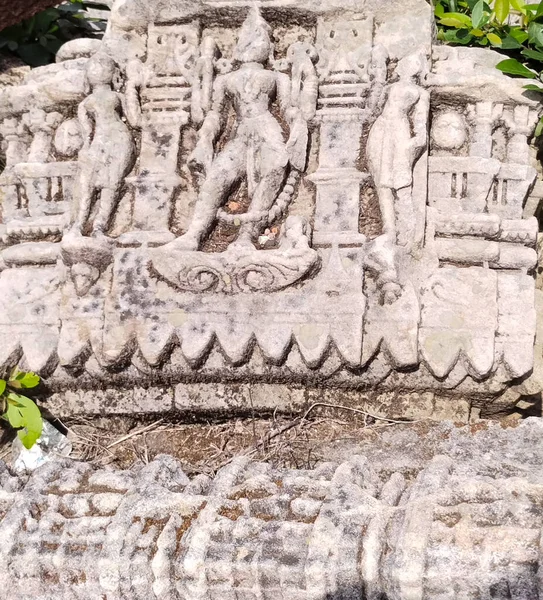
[
  {"x": 229, "y": 205},
  {"x": 303, "y": 193}
]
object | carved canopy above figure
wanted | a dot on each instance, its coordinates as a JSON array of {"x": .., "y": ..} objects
[{"x": 283, "y": 191}]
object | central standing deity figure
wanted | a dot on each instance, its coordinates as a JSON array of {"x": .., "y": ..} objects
[{"x": 256, "y": 149}]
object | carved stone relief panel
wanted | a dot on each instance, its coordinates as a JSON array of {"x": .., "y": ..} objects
[{"x": 157, "y": 190}]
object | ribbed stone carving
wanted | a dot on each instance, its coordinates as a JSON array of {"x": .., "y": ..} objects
[{"x": 402, "y": 523}]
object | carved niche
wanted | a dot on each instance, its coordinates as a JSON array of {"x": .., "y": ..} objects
[{"x": 191, "y": 198}]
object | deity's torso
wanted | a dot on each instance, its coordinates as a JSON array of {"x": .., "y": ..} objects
[
  {"x": 105, "y": 107},
  {"x": 252, "y": 90}
]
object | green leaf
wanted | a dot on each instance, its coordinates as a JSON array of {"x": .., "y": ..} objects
[
  {"x": 451, "y": 22},
  {"x": 478, "y": 14},
  {"x": 533, "y": 88},
  {"x": 494, "y": 39},
  {"x": 74, "y": 7},
  {"x": 533, "y": 54},
  {"x": 3, "y": 384},
  {"x": 29, "y": 380},
  {"x": 44, "y": 20},
  {"x": 517, "y": 5},
  {"x": 34, "y": 55},
  {"x": 539, "y": 128},
  {"x": 14, "y": 416},
  {"x": 510, "y": 43},
  {"x": 511, "y": 66},
  {"x": 456, "y": 16},
  {"x": 501, "y": 9},
  {"x": 535, "y": 33},
  {"x": 518, "y": 34},
  {"x": 539, "y": 11},
  {"x": 457, "y": 36},
  {"x": 25, "y": 416},
  {"x": 439, "y": 10}
]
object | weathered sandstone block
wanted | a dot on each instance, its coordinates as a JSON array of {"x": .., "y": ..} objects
[{"x": 304, "y": 192}]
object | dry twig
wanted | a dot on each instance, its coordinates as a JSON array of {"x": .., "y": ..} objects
[{"x": 129, "y": 436}]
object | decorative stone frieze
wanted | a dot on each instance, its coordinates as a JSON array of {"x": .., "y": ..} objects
[{"x": 291, "y": 191}]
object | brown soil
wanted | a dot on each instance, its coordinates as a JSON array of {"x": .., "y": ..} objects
[
  {"x": 206, "y": 447},
  {"x": 299, "y": 443}
]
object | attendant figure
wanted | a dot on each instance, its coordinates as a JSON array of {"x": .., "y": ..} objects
[
  {"x": 396, "y": 141},
  {"x": 108, "y": 153}
]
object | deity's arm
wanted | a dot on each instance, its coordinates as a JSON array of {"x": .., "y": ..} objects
[
  {"x": 202, "y": 156},
  {"x": 420, "y": 121},
  {"x": 214, "y": 121},
  {"x": 131, "y": 99},
  {"x": 284, "y": 98},
  {"x": 85, "y": 122},
  {"x": 378, "y": 70},
  {"x": 299, "y": 135}
]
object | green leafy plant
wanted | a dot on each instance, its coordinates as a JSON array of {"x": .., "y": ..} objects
[
  {"x": 37, "y": 40},
  {"x": 502, "y": 24},
  {"x": 510, "y": 26},
  {"x": 18, "y": 410}
]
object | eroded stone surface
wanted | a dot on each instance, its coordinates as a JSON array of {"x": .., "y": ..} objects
[
  {"x": 143, "y": 171},
  {"x": 410, "y": 514}
]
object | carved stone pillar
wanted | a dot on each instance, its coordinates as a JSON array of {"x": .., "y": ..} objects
[
  {"x": 166, "y": 102},
  {"x": 16, "y": 138},
  {"x": 40, "y": 190},
  {"x": 345, "y": 48},
  {"x": 483, "y": 119}
]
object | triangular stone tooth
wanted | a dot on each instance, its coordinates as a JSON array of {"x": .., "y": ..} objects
[
  {"x": 348, "y": 340},
  {"x": 313, "y": 342},
  {"x": 196, "y": 340},
  {"x": 370, "y": 344},
  {"x": 10, "y": 348},
  {"x": 402, "y": 347},
  {"x": 440, "y": 350},
  {"x": 236, "y": 341},
  {"x": 40, "y": 350},
  {"x": 401, "y": 332},
  {"x": 479, "y": 355},
  {"x": 274, "y": 341},
  {"x": 518, "y": 357},
  {"x": 155, "y": 341},
  {"x": 73, "y": 343},
  {"x": 117, "y": 344}
]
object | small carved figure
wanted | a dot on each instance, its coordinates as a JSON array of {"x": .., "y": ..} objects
[
  {"x": 257, "y": 150},
  {"x": 396, "y": 142},
  {"x": 108, "y": 152},
  {"x": 202, "y": 88}
]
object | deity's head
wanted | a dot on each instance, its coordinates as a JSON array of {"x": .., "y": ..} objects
[
  {"x": 100, "y": 70},
  {"x": 254, "y": 43},
  {"x": 413, "y": 65}
]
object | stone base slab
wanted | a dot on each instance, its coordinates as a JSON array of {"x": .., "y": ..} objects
[{"x": 204, "y": 400}]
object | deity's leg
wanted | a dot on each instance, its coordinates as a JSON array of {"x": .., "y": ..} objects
[
  {"x": 84, "y": 193},
  {"x": 227, "y": 168},
  {"x": 405, "y": 217},
  {"x": 106, "y": 208},
  {"x": 264, "y": 196},
  {"x": 388, "y": 212}
]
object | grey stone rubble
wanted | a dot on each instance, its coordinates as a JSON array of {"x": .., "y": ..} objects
[
  {"x": 431, "y": 513},
  {"x": 394, "y": 177}
]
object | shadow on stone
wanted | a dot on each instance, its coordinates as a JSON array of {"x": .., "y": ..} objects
[{"x": 353, "y": 593}]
